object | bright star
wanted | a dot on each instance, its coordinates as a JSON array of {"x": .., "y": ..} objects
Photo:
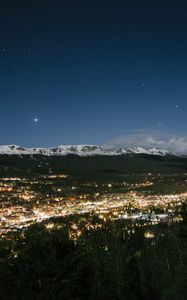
[{"x": 36, "y": 120}]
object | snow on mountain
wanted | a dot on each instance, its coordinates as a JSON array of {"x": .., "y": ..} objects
[
  {"x": 80, "y": 150},
  {"x": 153, "y": 151}
]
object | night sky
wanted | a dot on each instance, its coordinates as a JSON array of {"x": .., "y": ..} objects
[{"x": 86, "y": 72}]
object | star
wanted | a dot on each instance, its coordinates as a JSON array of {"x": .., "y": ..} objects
[
  {"x": 36, "y": 120},
  {"x": 176, "y": 106},
  {"x": 143, "y": 83}
]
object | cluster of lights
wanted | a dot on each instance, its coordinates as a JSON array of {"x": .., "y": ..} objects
[{"x": 23, "y": 206}]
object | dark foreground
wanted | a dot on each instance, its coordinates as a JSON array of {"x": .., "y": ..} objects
[{"x": 119, "y": 260}]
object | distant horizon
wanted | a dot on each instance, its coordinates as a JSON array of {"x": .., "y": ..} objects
[{"x": 145, "y": 138}]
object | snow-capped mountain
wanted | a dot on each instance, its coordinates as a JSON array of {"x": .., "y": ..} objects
[{"x": 81, "y": 150}]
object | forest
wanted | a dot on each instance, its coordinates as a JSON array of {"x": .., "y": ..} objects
[{"x": 119, "y": 260}]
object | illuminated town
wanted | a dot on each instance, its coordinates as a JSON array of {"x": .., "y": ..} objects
[{"x": 25, "y": 201}]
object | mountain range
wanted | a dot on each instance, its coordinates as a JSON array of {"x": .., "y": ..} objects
[{"x": 80, "y": 150}]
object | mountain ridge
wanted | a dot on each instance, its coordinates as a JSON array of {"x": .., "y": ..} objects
[{"x": 80, "y": 150}]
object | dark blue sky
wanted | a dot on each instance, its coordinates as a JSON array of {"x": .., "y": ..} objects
[{"x": 76, "y": 72}]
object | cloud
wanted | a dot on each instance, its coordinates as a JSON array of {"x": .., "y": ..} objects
[{"x": 150, "y": 139}]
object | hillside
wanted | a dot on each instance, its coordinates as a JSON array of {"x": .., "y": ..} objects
[{"x": 91, "y": 167}]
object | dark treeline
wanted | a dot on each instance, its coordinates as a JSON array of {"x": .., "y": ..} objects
[
  {"x": 91, "y": 168},
  {"x": 112, "y": 262}
]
